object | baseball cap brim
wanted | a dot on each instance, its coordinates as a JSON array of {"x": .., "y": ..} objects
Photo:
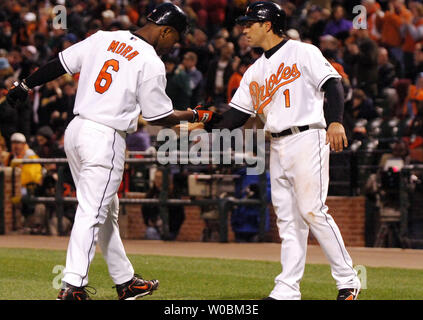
[{"x": 244, "y": 19}]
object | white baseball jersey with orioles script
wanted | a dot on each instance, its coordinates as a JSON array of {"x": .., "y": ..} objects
[
  {"x": 286, "y": 88},
  {"x": 108, "y": 62}
]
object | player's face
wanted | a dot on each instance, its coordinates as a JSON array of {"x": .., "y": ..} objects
[
  {"x": 255, "y": 32},
  {"x": 167, "y": 39}
]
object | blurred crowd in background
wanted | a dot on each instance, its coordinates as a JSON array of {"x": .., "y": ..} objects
[{"x": 381, "y": 65}]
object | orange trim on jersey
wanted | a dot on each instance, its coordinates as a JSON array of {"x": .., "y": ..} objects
[{"x": 262, "y": 95}]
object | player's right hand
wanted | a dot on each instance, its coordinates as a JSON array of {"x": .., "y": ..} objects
[
  {"x": 204, "y": 115},
  {"x": 17, "y": 93}
]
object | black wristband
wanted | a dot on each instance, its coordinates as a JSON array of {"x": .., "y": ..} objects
[{"x": 194, "y": 116}]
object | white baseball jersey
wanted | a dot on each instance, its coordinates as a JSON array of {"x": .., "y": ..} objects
[
  {"x": 108, "y": 62},
  {"x": 285, "y": 88}
]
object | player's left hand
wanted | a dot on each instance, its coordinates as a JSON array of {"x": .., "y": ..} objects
[
  {"x": 17, "y": 93},
  {"x": 335, "y": 135}
]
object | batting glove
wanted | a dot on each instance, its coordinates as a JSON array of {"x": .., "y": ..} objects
[
  {"x": 202, "y": 114},
  {"x": 18, "y": 93}
]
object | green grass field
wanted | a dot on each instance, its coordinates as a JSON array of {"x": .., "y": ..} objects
[{"x": 28, "y": 274}]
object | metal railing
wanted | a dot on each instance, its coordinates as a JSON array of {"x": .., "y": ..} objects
[{"x": 222, "y": 204}]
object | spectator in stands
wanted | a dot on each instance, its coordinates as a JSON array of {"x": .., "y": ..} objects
[
  {"x": 199, "y": 45},
  {"x": 42, "y": 49},
  {"x": 236, "y": 77},
  {"x": 31, "y": 173},
  {"x": 362, "y": 106},
  {"x": 338, "y": 26},
  {"x": 5, "y": 69},
  {"x": 51, "y": 95},
  {"x": 218, "y": 74},
  {"x": 374, "y": 11},
  {"x": 329, "y": 42},
  {"x": 390, "y": 24},
  {"x": 178, "y": 83},
  {"x": 68, "y": 100},
  {"x": 414, "y": 136},
  {"x": 46, "y": 145},
  {"x": 386, "y": 71},
  {"x": 414, "y": 98},
  {"x": 361, "y": 59},
  {"x": 313, "y": 25},
  {"x": 215, "y": 15},
  {"x": 189, "y": 65},
  {"x": 412, "y": 33},
  {"x": 418, "y": 61},
  {"x": 139, "y": 140},
  {"x": 243, "y": 50}
]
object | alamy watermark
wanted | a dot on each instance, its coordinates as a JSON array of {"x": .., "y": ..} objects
[
  {"x": 362, "y": 275},
  {"x": 360, "y": 20},
  {"x": 57, "y": 280},
  {"x": 218, "y": 147},
  {"x": 59, "y": 19}
]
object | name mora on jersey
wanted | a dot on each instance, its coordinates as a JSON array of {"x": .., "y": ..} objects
[{"x": 122, "y": 49}]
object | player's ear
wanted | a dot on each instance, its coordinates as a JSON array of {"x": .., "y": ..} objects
[
  {"x": 166, "y": 31},
  {"x": 268, "y": 26}
]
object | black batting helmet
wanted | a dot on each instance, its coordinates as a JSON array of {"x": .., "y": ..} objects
[
  {"x": 168, "y": 14},
  {"x": 265, "y": 11}
]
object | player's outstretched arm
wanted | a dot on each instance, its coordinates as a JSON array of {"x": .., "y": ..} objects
[
  {"x": 198, "y": 115},
  {"x": 230, "y": 119},
  {"x": 46, "y": 73}
]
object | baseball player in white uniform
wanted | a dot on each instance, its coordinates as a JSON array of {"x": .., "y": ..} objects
[
  {"x": 121, "y": 76},
  {"x": 286, "y": 87}
]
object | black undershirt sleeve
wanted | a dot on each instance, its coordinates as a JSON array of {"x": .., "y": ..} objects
[
  {"x": 50, "y": 71},
  {"x": 231, "y": 119},
  {"x": 334, "y": 93}
]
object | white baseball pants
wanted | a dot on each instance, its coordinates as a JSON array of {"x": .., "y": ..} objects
[
  {"x": 299, "y": 172},
  {"x": 96, "y": 156}
]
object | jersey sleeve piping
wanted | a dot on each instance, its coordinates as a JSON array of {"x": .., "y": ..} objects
[
  {"x": 245, "y": 110},
  {"x": 62, "y": 60},
  {"x": 158, "y": 116},
  {"x": 327, "y": 77}
]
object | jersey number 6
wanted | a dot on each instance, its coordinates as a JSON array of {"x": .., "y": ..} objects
[{"x": 100, "y": 85}]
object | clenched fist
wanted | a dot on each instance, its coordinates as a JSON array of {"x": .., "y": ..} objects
[{"x": 18, "y": 93}]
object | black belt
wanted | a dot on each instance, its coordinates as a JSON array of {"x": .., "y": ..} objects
[{"x": 289, "y": 131}]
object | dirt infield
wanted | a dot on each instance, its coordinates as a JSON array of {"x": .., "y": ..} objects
[{"x": 370, "y": 257}]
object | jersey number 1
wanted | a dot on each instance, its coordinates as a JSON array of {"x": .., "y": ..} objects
[
  {"x": 287, "y": 98},
  {"x": 100, "y": 85}
]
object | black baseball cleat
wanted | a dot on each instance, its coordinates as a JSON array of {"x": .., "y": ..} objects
[
  {"x": 70, "y": 292},
  {"x": 268, "y": 298},
  {"x": 136, "y": 288},
  {"x": 348, "y": 294}
]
